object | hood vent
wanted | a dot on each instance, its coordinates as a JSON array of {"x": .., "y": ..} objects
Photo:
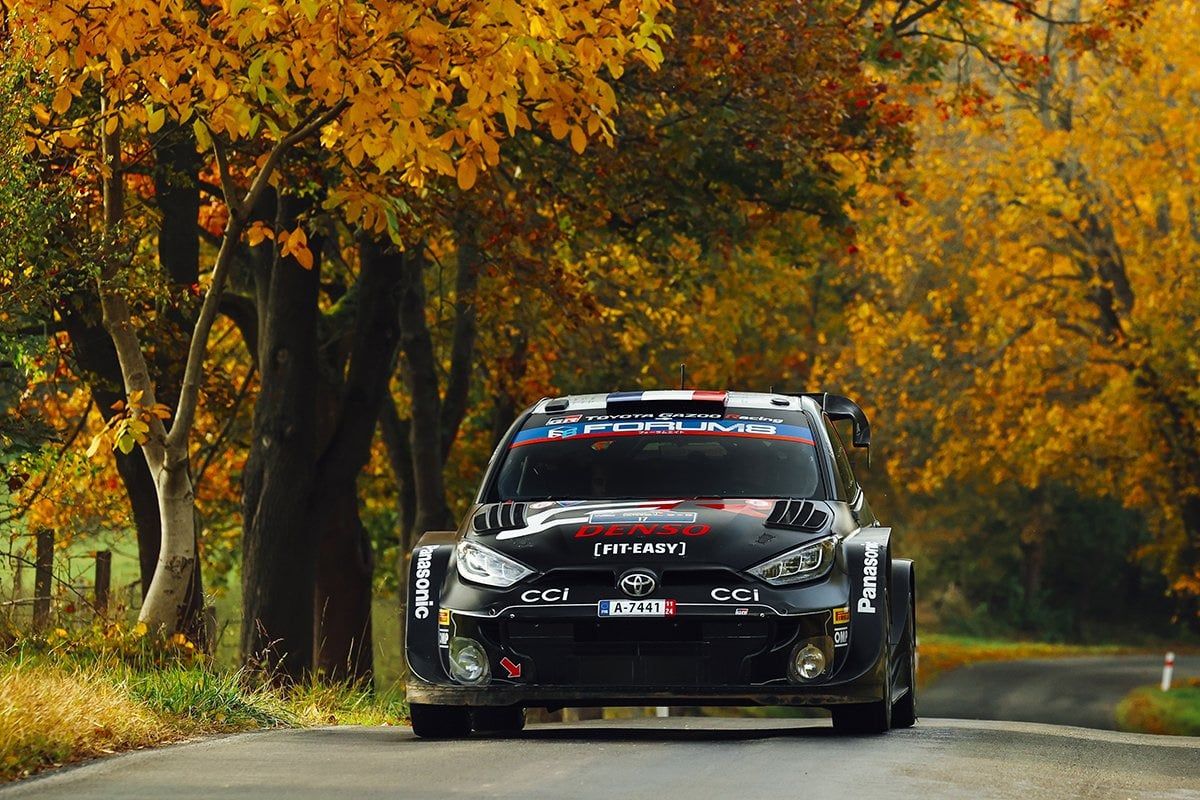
[
  {"x": 496, "y": 517},
  {"x": 797, "y": 515}
]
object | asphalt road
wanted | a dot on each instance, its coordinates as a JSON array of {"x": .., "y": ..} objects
[
  {"x": 661, "y": 759},
  {"x": 1065, "y": 691}
]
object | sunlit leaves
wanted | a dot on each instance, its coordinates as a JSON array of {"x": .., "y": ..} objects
[
  {"x": 430, "y": 89},
  {"x": 1035, "y": 309}
]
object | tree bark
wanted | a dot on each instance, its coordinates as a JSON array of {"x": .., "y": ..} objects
[
  {"x": 420, "y": 373},
  {"x": 97, "y": 362},
  {"x": 346, "y": 562},
  {"x": 462, "y": 345},
  {"x": 279, "y": 538}
]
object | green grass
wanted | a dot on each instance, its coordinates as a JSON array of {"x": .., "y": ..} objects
[
  {"x": 941, "y": 652},
  {"x": 64, "y": 701},
  {"x": 1151, "y": 710}
]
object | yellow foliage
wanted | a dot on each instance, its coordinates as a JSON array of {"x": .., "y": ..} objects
[
  {"x": 50, "y": 715},
  {"x": 1034, "y": 309}
]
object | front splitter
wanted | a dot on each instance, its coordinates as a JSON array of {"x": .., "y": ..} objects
[{"x": 560, "y": 696}]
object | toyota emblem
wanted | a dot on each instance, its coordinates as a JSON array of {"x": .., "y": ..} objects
[{"x": 637, "y": 583}]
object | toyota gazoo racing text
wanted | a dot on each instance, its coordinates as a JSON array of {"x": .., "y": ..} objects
[{"x": 664, "y": 548}]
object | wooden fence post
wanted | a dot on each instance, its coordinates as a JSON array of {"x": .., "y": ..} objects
[
  {"x": 43, "y": 575},
  {"x": 103, "y": 580}
]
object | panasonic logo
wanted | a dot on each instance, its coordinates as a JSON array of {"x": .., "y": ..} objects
[
  {"x": 870, "y": 587},
  {"x": 421, "y": 601}
]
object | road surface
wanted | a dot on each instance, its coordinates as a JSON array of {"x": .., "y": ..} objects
[
  {"x": 659, "y": 759},
  {"x": 1064, "y": 691}
]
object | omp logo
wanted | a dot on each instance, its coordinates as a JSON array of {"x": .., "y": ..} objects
[
  {"x": 421, "y": 601},
  {"x": 870, "y": 586}
]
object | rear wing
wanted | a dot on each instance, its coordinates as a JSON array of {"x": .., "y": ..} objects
[{"x": 837, "y": 407}]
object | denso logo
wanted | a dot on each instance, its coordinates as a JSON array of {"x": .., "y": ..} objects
[
  {"x": 870, "y": 578},
  {"x": 652, "y": 529},
  {"x": 740, "y": 595}
]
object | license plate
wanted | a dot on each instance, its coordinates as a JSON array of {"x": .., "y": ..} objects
[{"x": 636, "y": 608}]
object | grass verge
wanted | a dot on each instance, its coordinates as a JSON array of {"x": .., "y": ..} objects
[
  {"x": 55, "y": 711},
  {"x": 1151, "y": 710},
  {"x": 941, "y": 652}
]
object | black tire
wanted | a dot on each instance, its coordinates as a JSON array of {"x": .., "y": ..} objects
[
  {"x": 904, "y": 710},
  {"x": 863, "y": 718},
  {"x": 440, "y": 722},
  {"x": 501, "y": 719},
  {"x": 873, "y": 717}
]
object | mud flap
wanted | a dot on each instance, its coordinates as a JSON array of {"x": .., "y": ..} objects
[
  {"x": 868, "y": 556},
  {"x": 427, "y": 572},
  {"x": 901, "y": 591}
]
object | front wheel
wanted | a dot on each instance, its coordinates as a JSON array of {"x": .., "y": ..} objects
[{"x": 440, "y": 722}]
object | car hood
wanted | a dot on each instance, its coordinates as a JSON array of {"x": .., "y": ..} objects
[{"x": 732, "y": 532}]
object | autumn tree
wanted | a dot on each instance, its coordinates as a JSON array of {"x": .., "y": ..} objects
[
  {"x": 1033, "y": 309},
  {"x": 256, "y": 81}
]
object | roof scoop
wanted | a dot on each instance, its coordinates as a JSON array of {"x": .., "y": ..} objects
[{"x": 797, "y": 515}]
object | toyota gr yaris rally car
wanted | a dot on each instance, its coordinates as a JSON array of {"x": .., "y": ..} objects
[{"x": 665, "y": 548}]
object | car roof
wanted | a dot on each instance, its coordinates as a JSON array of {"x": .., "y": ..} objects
[{"x": 590, "y": 402}]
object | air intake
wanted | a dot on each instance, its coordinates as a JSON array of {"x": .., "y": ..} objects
[
  {"x": 496, "y": 517},
  {"x": 797, "y": 515}
]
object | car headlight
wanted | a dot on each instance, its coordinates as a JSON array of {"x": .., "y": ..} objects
[
  {"x": 802, "y": 564},
  {"x": 484, "y": 565}
]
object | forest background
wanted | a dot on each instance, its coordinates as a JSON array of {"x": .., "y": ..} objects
[{"x": 274, "y": 278}]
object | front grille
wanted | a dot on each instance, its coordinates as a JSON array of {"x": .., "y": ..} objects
[
  {"x": 649, "y": 652},
  {"x": 700, "y": 576}
]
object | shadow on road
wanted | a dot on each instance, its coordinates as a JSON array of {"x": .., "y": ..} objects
[{"x": 625, "y": 733}]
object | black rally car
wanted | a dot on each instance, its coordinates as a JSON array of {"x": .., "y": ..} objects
[{"x": 665, "y": 548}]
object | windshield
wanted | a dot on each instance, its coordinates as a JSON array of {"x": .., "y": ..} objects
[{"x": 656, "y": 458}]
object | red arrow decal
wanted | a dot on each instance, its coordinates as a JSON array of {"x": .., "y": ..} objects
[{"x": 513, "y": 670}]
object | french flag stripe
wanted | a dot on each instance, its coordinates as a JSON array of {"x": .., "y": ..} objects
[{"x": 667, "y": 394}]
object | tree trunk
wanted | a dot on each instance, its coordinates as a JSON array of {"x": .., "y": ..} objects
[
  {"x": 166, "y": 603},
  {"x": 462, "y": 345},
  {"x": 97, "y": 362},
  {"x": 346, "y": 563},
  {"x": 397, "y": 438},
  {"x": 345, "y": 575},
  {"x": 420, "y": 373},
  {"x": 279, "y": 538}
]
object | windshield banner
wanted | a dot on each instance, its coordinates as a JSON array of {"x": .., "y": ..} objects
[{"x": 597, "y": 430}]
